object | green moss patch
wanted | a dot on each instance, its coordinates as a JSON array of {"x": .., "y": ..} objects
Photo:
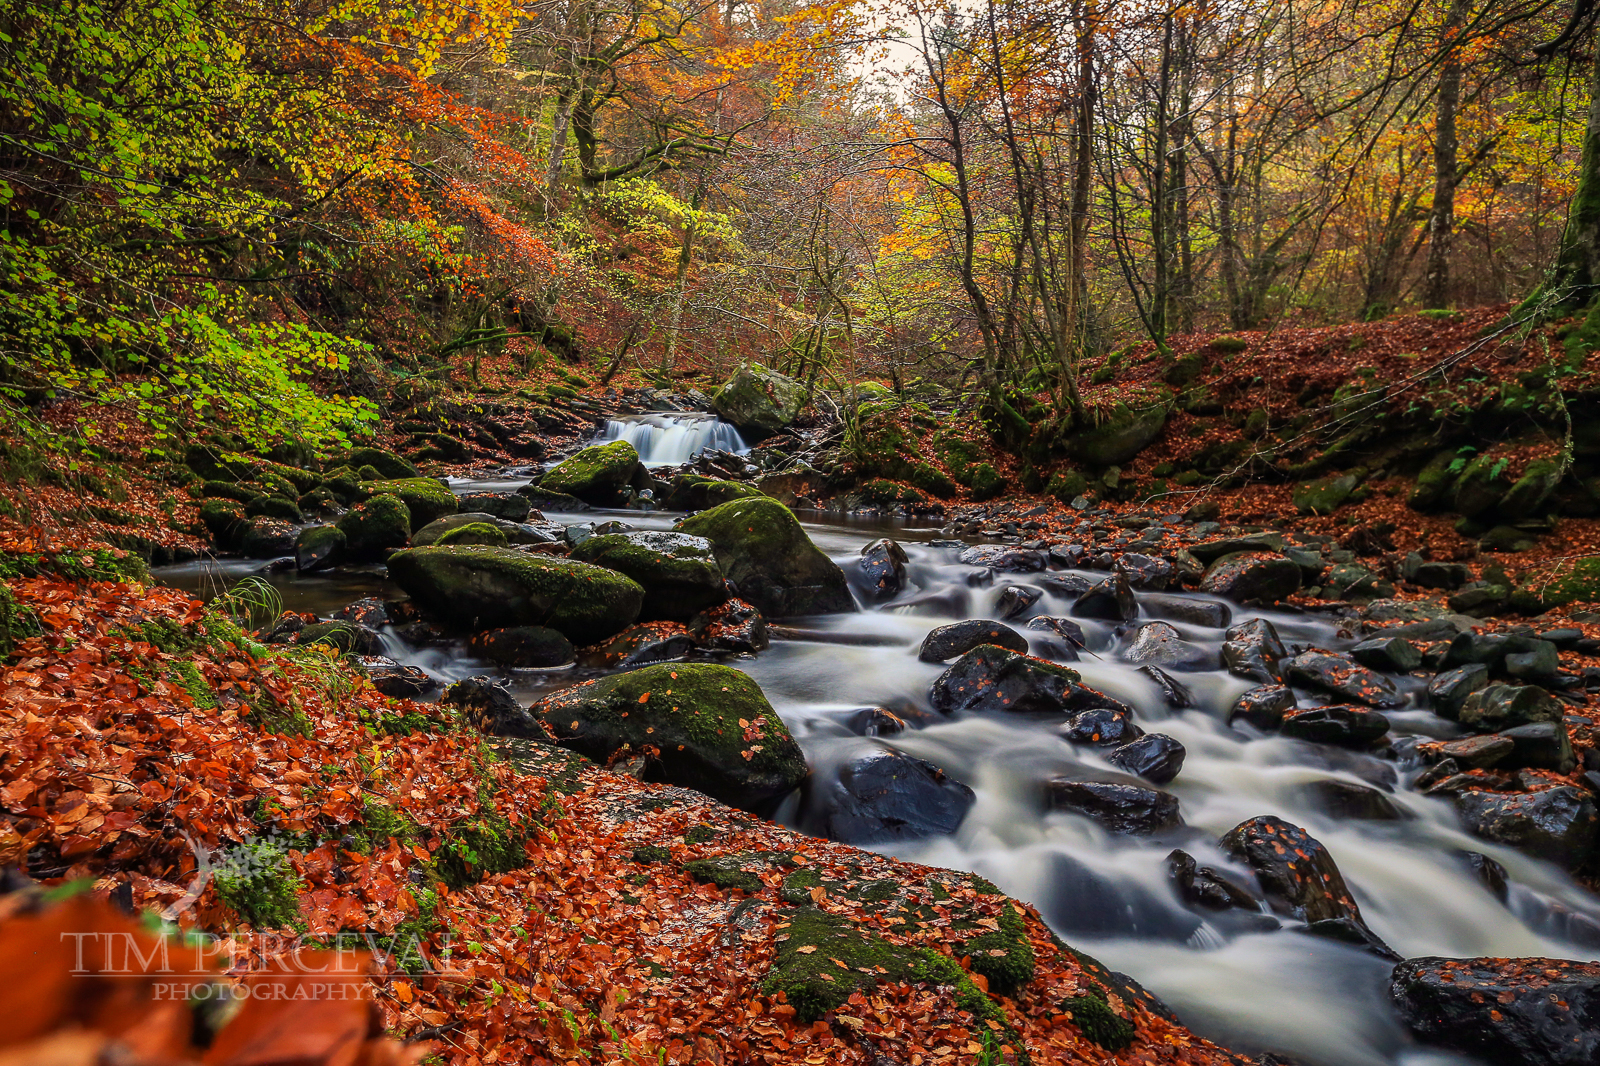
[{"x": 425, "y": 498}]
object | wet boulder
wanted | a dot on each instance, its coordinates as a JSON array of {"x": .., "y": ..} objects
[
  {"x": 1558, "y": 824},
  {"x": 1252, "y": 650},
  {"x": 344, "y": 637},
  {"x": 679, "y": 572},
  {"x": 875, "y": 722},
  {"x": 1110, "y": 725},
  {"x": 426, "y": 498},
  {"x": 1124, "y": 809},
  {"x": 507, "y": 506},
  {"x": 1065, "y": 628},
  {"x": 1081, "y": 901},
  {"x": 1016, "y": 600},
  {"x": 1295, "y": 870},
  {"x": 596, "y": 475},
  {"x": 482, "y": 588},
  {"x": 1252, "y": 577},
  {"x": 647, "y": 642},
  {"x": 882, "y": 796},
  {"x": 1112, "y": 600},
  {"x": 1263, "y": 707},
  {"x": 1155, "y": 757},
  {"x": 394, "y": 680},
  {"x": 1516, "y": 1012},
  {"x": 439, "y": 528},
  {"x": 1473, "y": 753},
  {"x": 1356, "y": 584},
  {"x": 1349, "y": 801},
  {"x": 1158, "y": 644},
  {"x": 368, "y": 611},
  {"x": 1339, "y": 675},
  {"x": 1394, "y": 655},
  {"x": 958, "y": 638},
  {"x": 267, "y": 538},
  {"x": 766, "y": 554},
  {"x": 1449, "y": 690},
  {"x": 758, "y": 401},
  {"x": 1210, "y": 551},
  {"x": 1146, "y": 571},
  {"x": 490, "y": 708},
  {"x": 535, "y": 647},
  {"x": 1005, "y": 558},
  {"x": 318, "y": 548},
  {"x": 710, "y": 726},
  {"x": 385, "y": 462},
  {"x": 1173, "y": 693},
  {"x": 991, "y": 679},
  {"x": 883, "y": 568},
  {"x": 1205, "y": 886},
  {"x": 1123, "y": 434},
  {"x": 1210, "y": 613},
  {"x": 475, "y": 533},
  {"x": 731, "y": 626},
  {"x": 1540, "y": 746},
  {"x": 376, "y": 525},
  {"x": 1497, "y": 707},
  {"x": 1348, "y": 727}
]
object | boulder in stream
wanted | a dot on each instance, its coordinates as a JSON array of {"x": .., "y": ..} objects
[
  {"x": 647, "y": 642},
  {"x": 763, "y": 550},
  {"x": 1124, "y": 809},
  {"x": 596, "y": 475},
  {"x": 958, "y": 638},
  {"x": 318, "y": 548},
  {"x": 1263, "y": 707},
  {"x": 426, "y": 498},
  {"x": 1155, "y": 757},
  {"x": 990, "y": 679},
  {"x": 1112, "y": 600},
  {"x": 1295, "y": 870},
  {"x": 1339, "y": 675},
  {"x": 536, "y": 647},
  {"x": 1497, "y": 707},
  {"x": 679, "y": 572},
  {"x": 710, "y": 726},
  {"x": 1449, "y": 690},
  {"x": 480, "y": 588},
  {"x": 1252, "y": 577},
  {"x": 1516, "y": 1012},
  {"x": 1348, "y": 727},
  {"x": 266, "y": 538},
  {"x": 1111, "y": 725},
  {"x": 490, "y": 708},
  {"x": 1559, "y": 824},
  {"x": 758, "y": 401},
  {"x": 1253, "y": 651},
  {"x": 1158, "y": 644},
  {"x": 733, "y": 626},
  {"x": 507, "y": 506},
  {"x": 883, "y": 568},
  {"x": 376, "y": 525},
  {"x": 884, "y": 795}
]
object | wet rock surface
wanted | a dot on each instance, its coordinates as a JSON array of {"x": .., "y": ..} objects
[
  {"x": 958, "y": 638},
  {"x": 1116, "y": 807},
  {"x": 1558, "y": 824},
  {"x": 1521, "y": 1012},
  {"x": 884, "y": 796}
]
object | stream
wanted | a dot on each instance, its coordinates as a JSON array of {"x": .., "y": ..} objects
[{"x": 1317, "y": 1001}]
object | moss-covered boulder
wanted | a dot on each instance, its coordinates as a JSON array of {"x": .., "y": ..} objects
[
  {"x": 264, "y": 506},
  {"x": 267, "y": 538},
  {"x": 596, "y": 475},
  {"x": 679, "y": 572},
  {"x": 319, "y": 547},
  {"x": 375, "y": 525},
  {"x": 695, "y": 492},
  {"x": 1530, "y": 491},
  {"x": 1325, "y": 495},
  {"x": 386, "y": 463},
  {"x": 475, "y": 588},
  {"x": 1480, "y": 487},
  {"x": 426, "y": 499},
  {"x": 1577, "y": 581},
  {"x": 968, "y": 465},
  {"x": 225, "y": 521},
  {"x": 764, "y": 552},
  {"x": 759, "y": 401},
  {"x": 1433, "y": 482},
  {"x": 712, "y": 727},
  {"x": 1123, "y": 434},
  {"x": 474, "y": 533}
]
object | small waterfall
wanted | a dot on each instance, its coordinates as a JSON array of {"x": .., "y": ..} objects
[{"x": 672, "y": 438}]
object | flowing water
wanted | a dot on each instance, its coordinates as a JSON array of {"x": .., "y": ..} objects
[
  {"x": 674, "y": 437},
  {"x": 1314, "y": 1000}
]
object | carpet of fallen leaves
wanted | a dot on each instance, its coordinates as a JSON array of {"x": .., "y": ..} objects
[{"x": 113, "y": 774}]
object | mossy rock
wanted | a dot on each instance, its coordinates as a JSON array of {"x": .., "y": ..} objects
[
  {"x": 679, "y": 572},
  {"x": 985, "y": 482},
  {"x": 226, "y": 490},
  {"x": 1229, "y": 345},
  {"x": 483, "y": 533},
  {"x": 1433, "y": 482},
  {"x": 473, "y": 588},
  {"x": 713, "y": 728},
  {"x": 1577, "y": 581},
  {"x": 759, "y": 401},
  {"x": 881, "y": 491},
  {"x": 1184, "y": 371},
  {"x": 386, "y": 463},
  {"x": 1067, "y": 485},
  {"x": 763, "y": 550},
  {"x": 932, "y": 481},
  {"x": 725, "y": 871},
  {"x": 433, "y": 531},
  {"x": 273, "y": 507},
  {"x": 319, "y": 547},
  {"x": 597, "y": 474},
  {"x": 376, "y": 525},
  {"x": 426, "y": 499},
  {"x": 1480, "y": 487},
  {"x": 210, "y": 463},
  {"x": 1091, "y": 1012},
  {"x": 225, "y": 521},
  {"x": 1531, "y": 490},
  {"x": 695, "y": 492},
  {"x": 1123, "y": 434},
  {"x": 267, "y": 538},
  {"x": 1326, "y": 495}
]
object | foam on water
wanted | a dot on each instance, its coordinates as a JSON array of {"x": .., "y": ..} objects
[{"x": 673, "y": 438}]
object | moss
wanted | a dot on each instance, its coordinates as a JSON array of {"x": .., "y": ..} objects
[
  {"x": 680, "y": 574},
  {"x": 797, "y": 886},
  {"x": 931, "y": 481},
  {"x": 759, "y": 400},
  {"x": 474, "y": 533},
  {"x": 224, "y": 520},
  {"x": 385, "y": 464},
  {"x": 596, "y": 474},
  {"x": 226, "y": 490},
  {"x": 725, "y": 872},
  {"x": 273, "y": 507},
  {"x": 1092, "y": 1013},
  {"x": 693, "y": 492},
  {"x": 1577, "y": 581},
  {"x": 425, "y": 498},
  {"x": 881, "y": 491},
  {"x": 79, "y": 564},
  {"x": 713, "y": 726},
  {"x": 651, "y": 853},
  {"x": 966, "y": 463},
  {"x": 762, "y": 549},
  {"x": 1229, "y": 345},
  {"x": 380, "y": 522},
  {"x": 1067, "y": 485},
  {"x": 1184, "y": 371},
  {"x": 483, "y": 845},
  {"x": 16, "y": 622},
  {"x": 700, "y": 834},
  {"x": 1004, "y": 957},
  {"x": 257, "y": 883}
]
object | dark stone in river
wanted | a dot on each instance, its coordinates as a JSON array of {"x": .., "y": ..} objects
[
  {"x": 1173, "y": 693},
  {"x": 1145, "y": 571},
  {"x": 958, "y": 638},
  {"x": 1116, "y": 808},
  {"x": 1102, "y": 725},
  {"x": 1497, "y": 707},
  {"x": 1350, "y": 727},
  {"x": 1155, "y": 757},
  {"x": 509, "y": 506},
  {"x": 1252, "y": 650},
  {"x": 489, "y": 707},
  {"x": 1252, "y": 577},
  {"x": 883, "y": 796},
  {"x": 1204, "y": 886},
  {"x": 991, "y": 679},
  {"x": 1509, "y": 1012},
  {"x": 733, "y": 626},
  {"x": 1474, "y": 753},
  {"x": 1540, "y": 746},
  {"x": 1295, "y": 870},
  {"x": 1449, "y": 690},
  {"x": 1015, "y": 600},
  {"x": 1157, "y": 643},
  {"x": 874, "y": 722},
  {"x": 1349, "y": 801},
  {"x": 1210, "y": 551},
  {"x": 1005, "y": 558},
  {"x": 1080, "y": 901},
  {"x": 394, "y": 680},
  {"x": 1210, "y": 613},
  {"x": 883, "y": 566},
  {"x": 1395, "y": 655},
  {"x": 1558, "y": 824},
  {"x": 1065, "y": 628},
  {"x": 1488, "y": 872},
  {"x": 522, "y": 646},
  {"x": 1341, "y": 676},
  {"x": 1112, "y": 600},
  {"x": 368, "y": 611},
  {"x": 1263, "y": 707}
]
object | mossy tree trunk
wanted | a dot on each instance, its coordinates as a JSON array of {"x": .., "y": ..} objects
[{"x": 1574, "y": 283}]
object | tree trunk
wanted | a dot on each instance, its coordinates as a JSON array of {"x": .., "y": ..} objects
[
  {"x": 1576, "y": 275},
  {"x": 1442, "y": 219}
]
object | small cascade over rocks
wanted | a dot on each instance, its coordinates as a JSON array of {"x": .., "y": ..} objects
[{"x": 672, "y": 438}]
